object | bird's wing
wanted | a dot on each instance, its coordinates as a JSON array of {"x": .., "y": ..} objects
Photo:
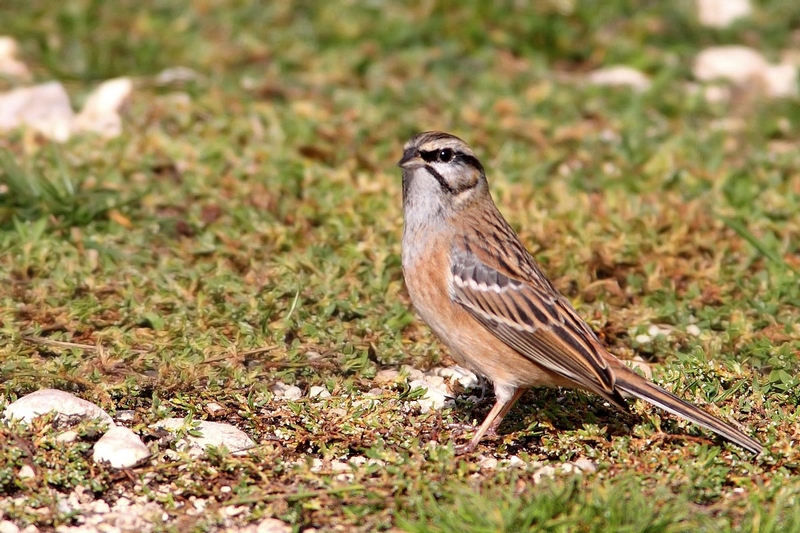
[{"x": 535, "y": 320}]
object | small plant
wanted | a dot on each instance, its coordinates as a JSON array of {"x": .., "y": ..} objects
[{"x": 27, "y": 193}]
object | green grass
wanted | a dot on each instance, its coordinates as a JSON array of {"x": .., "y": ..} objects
[{"x": 246, "y": 229}]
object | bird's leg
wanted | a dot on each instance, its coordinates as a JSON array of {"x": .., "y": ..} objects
[
  {"x": 492, "y": 431},
  {"x": 491, "y": 421}
]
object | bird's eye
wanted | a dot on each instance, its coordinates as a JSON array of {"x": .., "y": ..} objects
[{"x": 445, "y": 155}]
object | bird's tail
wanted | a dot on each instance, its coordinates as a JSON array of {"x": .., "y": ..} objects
[{"x": 633, "y": 384}]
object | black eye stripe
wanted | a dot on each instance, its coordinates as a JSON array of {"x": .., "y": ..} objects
[
  {"x": 442, "y": 182},
  {"x": 446, "y": 155},
  {"x": 429, "y": 156}
]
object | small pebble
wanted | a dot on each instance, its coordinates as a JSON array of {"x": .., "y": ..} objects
[
  {"x": 466, "y": 378},
  {"x": 515, "y": 462},
  {"x": 358, "y": 460},
  {"x": 278, "y": 388},
  {"x": 339, "y": 466},
  {"x": 547, "y": 471},
  {"x": 317, "y": 391},
  {"x": 9, "y": 64},
  {"x": 282, "y": 390},
  {"x": 620, "y": 76},
  {"x": 120, "y": 448},
  {"x": 637, "y": 363},
  {"x": 66, "y": 406},
  {"x": 293, "y": 393},
  {"x": 26, "y": 472},
  {"x": 693, "y": 330},
  {"x": 67, "y": 437},
  {"x": 411, "y": 372},
  {"x": 487, "y": 463},
  {"x": 387, "y": 376},
  {"x": 436, "y": 382},
  {"x": 585, "y": 465},
  {"x": 273, "y": 525},
  {"x": 212, "y": 434},
  {"x": 722, "y": 13},
  {"x": 214, "y": 409},
  {"x": 234, "y": 510},
  {"x": 433, "y": 398},
  {"x": 125, "y": 415}
]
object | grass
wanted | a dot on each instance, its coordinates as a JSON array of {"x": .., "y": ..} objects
[{"x": 245, "y": 229}]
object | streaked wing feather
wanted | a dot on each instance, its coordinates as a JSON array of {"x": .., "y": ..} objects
[{"x": 535, "y": 321}]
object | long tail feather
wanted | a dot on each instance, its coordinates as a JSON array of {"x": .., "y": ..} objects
[{"x": 650, "y": 392}]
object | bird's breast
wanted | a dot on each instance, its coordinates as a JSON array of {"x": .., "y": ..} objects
[{"x": 427, "y": 275}]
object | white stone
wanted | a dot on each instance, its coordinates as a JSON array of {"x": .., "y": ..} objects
[
  {"x": 547, "y": 471},
  {"x": 643, "y": 339},
  {"x": 67, "y": 437},
  {"x": 213, "y": 408},
  {"x": 693, "y": 330},
  {"x": 120, "y": 448},
  {"x": 100, "y": 507},
  {"x": 63, "y": 403},
  {"x": 388, "y": 375},
  {"x": 515, "y": 462},
  {"x": 44, "y": 108},
  {"x": 26, "y": 472},
  {"x": 411, "y": 372},
  {"x": 487, "y": 463},
  {"x": 176, "y": 75},
  {"x": 317, "y": 391},
  {"x": 735, "y": 63},
  {"x": 136, "y": 516},
  {"x": 100, "y": 113},
  {"x": 433, "y": 398},
  {"x": 466, "y": 378},
  {"x": 339, "y": 466},
  {"x": 620, "y": 76},
  {"x": 585, "y": 465},
  {"x": 293, "y": 393},
  {"x": 279, "y": 389},
  {"x": 654, "y": 330},
  {"x": 273, "y": 525},
  {"x": 637, "y": 363},
  {"x": 358, "y": 460},
  {"x": 234, "y": 510},
  {"x": 9, "y": 64},
  {"x": 781, "y": 80},
  {"x": 125, "y": 415},
  {"x": 213, "y": 434},
  {"x": 436, "y": 382},
  {"x": 715, "y": 93},
  {"x": 722, "y": 13},
  {"x": 8, "y": 527}
]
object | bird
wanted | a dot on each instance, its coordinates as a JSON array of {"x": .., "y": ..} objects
[{"x": 476, "y": 286}]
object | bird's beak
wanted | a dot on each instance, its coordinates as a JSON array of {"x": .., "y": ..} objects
[{"x": 410, "y": 159}]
